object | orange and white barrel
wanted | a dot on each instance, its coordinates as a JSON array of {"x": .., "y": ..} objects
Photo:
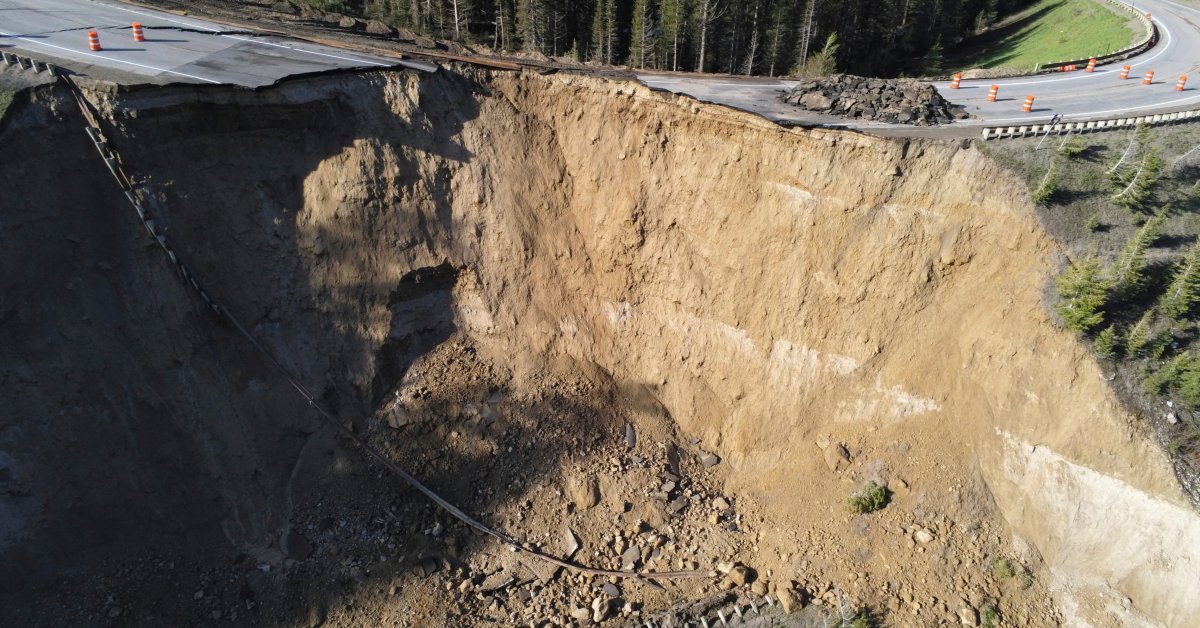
[
  {"x": 1180, "y": 83},
  {"x": 993, "y": 91},
  {"x": 955, "y": 80},
  {"x": 1149, "y": 78},
  {"x": 94, "y": 40},
  {"x": 138, "y": 35},
  {"x": 1125, "y": 71},
  {"x": 1028, "y": 106},
  {"x": 1091, "y": 67}
]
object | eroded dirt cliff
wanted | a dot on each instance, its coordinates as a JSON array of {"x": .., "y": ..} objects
[{"x": 489, "y": 276}]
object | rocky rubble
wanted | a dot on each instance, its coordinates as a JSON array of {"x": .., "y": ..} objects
[{"x": 899, "y": 101}]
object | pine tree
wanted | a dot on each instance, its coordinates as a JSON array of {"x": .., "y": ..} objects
[
  {"x": 934, "y": 59},
  {"x": 1139, "y": 335},
  {"x": 777, "y": 31},
  {"x": 806, "y": 33},
  {"x": 1049, "y": 185},
  {"x": 1183, "y": 294},
  {"x": 1136, "y": 188},
  {"x": 1082, "y": 291},
  {"x": 1107, "y": 342},
  {"x": 642, "y": 34},
  {"x": 672, "y": 27},
  {"x": 603, "y": 31},
  {"x": 1126, "y": 271},
  {"x": 710, "y": 11},
  {"x": 822, "y": 63},
  {"x": 752, "y": 53}
]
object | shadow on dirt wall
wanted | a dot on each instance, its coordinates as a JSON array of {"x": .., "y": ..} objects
[{"x": 142, "y": 430}]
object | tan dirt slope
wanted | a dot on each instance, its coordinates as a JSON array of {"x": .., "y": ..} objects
[{"x": 767, "y": 295}]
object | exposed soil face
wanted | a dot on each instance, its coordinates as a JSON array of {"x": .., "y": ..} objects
[{"x": 490, "y": 276}]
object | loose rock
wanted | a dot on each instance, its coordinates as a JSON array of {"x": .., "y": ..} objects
[
  {"x": 837, "y": 457},
  {"x": 788, "y": 601},
  {"x": 741, "y": 574},
  {"x": 584, "y": 492},
  {"x": 902, "y": 101},
  {"x": 571, "y": 544}
]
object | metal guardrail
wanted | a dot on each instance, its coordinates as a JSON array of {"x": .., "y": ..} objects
[
  {"x": 1029, "y": 130},
  {"x": 28, "y": 63}
]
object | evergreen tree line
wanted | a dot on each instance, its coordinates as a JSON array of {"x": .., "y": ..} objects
[{"x": 753, "y": 37}]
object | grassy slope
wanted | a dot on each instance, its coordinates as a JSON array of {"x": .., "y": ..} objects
[
  {"x": 1050, "y": 30},
  {"x": 5, "y": 100},
  {"x": 1083, "y": 217}
]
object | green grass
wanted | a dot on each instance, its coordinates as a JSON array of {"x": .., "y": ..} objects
[
  {"x": 6, "y": 98},
  {"x": 1048, "y": 31},
  {"x": 1002, "y": 567},
  {"x": 873, "y": 497}
]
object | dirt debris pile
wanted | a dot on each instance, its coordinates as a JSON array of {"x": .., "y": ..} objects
[
  {"x": 899, "y": 101},
  {"x": 541, "y": 295}
]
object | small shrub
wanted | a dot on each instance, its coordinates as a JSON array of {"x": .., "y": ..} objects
[
  {"x": 873, "y": 497},
  {"x": 1072, "y": 147},
  {"x": 989, "y": 616},
  {"x": 1003, "y": 568},
  {"x": 1093, "y": 223},
  {"x": 860, "y": 619}
]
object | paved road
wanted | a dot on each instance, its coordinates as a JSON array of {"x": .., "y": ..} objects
[
  {"x": 1076, "y": 96},
  {"x": 177, "y": 49}
]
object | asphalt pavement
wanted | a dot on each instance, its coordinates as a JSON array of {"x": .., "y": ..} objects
[
  {"x": 1077, "y": 95},
  {"x": 176, "y": 49}
]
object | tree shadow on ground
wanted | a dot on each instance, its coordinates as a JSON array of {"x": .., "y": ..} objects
[{"x": 1001, "y": 44}]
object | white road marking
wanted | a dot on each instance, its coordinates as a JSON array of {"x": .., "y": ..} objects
[
  {"x": 1098, "y": 113},
  {"x": 110, "y": 59},
  {"x": 1168, "y": 38},
  {"x": 311, "y": 52},
  {"x": 245, "y": 39}
]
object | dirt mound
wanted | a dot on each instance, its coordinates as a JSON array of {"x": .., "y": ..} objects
[
  {"x": 497, "y": 283},
  {"x": 898, "y": 101}
]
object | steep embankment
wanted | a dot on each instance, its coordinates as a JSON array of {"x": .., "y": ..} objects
[{"x": 772, "y": 292}]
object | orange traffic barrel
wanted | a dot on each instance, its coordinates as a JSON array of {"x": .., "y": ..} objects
[
  {"x": 956, "y": 80},
  {"x": 1149, "y": 78},
  {"x": 993, "y": 91},
  {"x": 1028, "y": 106},
  {"x": 137, "y": 32},
  {"x": 1125, "y": 71},
  {"x": 1091, "y": 67},
  {"x": 1066, "y": 68},
  {"x": 1180, "y": 83},
  {"x": 94, "y": 40}
]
